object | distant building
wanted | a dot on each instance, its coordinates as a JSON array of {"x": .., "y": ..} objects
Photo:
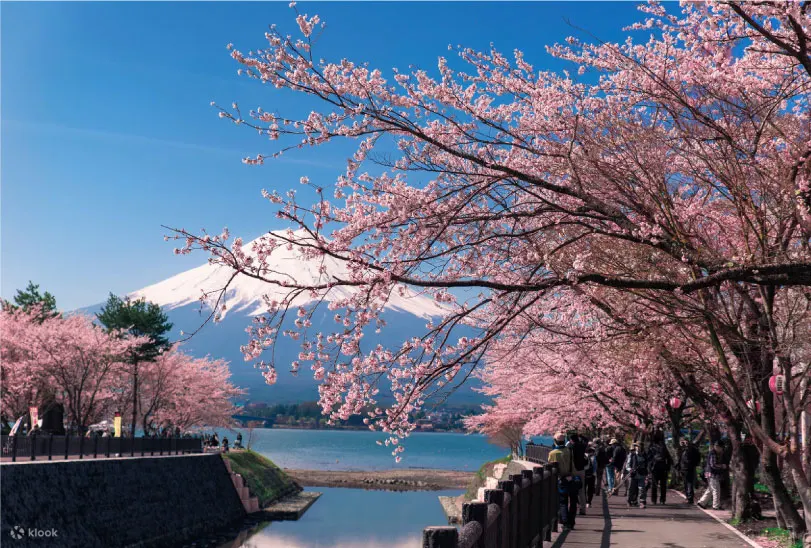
[
  {"x": 256, "y": 405},
  {"x": 424, "y": 424}
]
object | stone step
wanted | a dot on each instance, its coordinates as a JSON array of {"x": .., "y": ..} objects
[
  {"x": 228, "y": 465},
  {"x": 238, "y": 481}
]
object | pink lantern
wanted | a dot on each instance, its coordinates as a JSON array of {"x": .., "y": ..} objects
[
  {"x": 777, "y": 384},
  {"x": 675, "y": 402}
]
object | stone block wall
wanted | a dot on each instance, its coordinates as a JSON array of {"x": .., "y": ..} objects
[{"x": 138, "y": 502}]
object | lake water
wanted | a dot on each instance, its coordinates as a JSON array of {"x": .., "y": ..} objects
[
  {"x": 357, "y": 450},
  {"x": 355, "y": 518}
]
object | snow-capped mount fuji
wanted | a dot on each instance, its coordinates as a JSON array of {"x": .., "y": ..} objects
[
  {"x": 246, "y": 294},
  {"x": 406, "y": 315}
]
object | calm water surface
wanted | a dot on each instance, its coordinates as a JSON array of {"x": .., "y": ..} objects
[
  {"x": 356, "y": 518},
  {"x": 357, "y": 450},
  {"x": 353, "y": 518}
]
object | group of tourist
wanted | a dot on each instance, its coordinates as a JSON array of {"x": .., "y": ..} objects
[
  {"x": 586, "y": 467},
  {"x": 213, "y": 441}
]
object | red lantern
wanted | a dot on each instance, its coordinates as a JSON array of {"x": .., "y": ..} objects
[
  {"x": 675, "y": 402},
  {"x": 777, "y": 384},
  {"x": 753, "y": 405}
]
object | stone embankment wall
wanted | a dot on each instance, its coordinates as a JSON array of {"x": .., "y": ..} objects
[{"x": 138, "y": 502}]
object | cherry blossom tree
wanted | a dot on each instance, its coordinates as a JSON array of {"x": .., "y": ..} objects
[
  {"x": 671, "y": 195},
  {"x": 68, "y": 357},
  {"x": 195, "y": 392},
  {"x": 20, "y": 377}
]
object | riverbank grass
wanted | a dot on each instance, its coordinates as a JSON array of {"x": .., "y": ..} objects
[
  {"x": 484, "y": 471},
  {"x": 266, "y": 481}
]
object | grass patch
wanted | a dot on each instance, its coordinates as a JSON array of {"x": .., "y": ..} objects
[
  {"x": 482, "y": 473},
  {"x": 783, "y": 536},
  {"x": 761, "y": 488},
  {"x": 266, "y": 481}
]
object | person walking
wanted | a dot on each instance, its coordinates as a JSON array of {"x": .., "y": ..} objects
[
  {"x": 590, "y": 475},
  {"x": 660, "y": 464},
  {"x": 637, "y": 467},
  {"x": 602, "y": 459},
  {"x": 618, "y": 457},
  {"x": 714, "y": 470},
  {"x": 578, "y": 445},
  {"x": 689, "y": 458},
  {"x": 567, "y": 481}
]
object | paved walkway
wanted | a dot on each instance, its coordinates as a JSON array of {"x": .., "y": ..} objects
[{"x": 675, "y": 525}]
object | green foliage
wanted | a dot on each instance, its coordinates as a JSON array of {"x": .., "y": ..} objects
[
  {"x": 482, "y": 473},
  {"x": 138, "y": 318},
  {"x": 761, "y": 488},
  {"x": 783, "y": 536},
  {"x": 308, "y": 415},
  {"x": 30, "y": 297},
  {"x": 266, "y": 481}
]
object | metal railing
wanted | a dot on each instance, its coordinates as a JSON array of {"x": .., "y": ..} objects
[
  {"x": 521, "y": 513},
  {"x": 538, "y": 454},
  {"x": 50, "y": 447}
]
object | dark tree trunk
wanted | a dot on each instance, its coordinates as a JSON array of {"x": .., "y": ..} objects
[
  {"x": 771, "y": 470},
  {"x": 740, "y": 481},
  {"x": 135, "y": 398}
]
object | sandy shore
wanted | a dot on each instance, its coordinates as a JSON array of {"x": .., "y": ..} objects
[{"x": 388, "y": 480}]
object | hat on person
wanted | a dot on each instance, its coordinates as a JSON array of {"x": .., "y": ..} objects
[
  {"x": 613, "y": 441},
  {"x": 559, "y": 437}
]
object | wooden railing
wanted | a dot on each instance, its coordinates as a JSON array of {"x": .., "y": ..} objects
[{"x": 521, "y": 513}]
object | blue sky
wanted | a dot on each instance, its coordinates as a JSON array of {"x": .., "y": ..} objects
[{"x": 106, "y": 131}]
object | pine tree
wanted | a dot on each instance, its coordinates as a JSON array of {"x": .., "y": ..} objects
[
  {"x": 30, "y": 297},
  {"x": 137, "y": 318}
]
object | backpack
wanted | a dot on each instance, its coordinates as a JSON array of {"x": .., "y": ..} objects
[
  {"x": 562, "y": 456},
  {"x": 639, "y": 465},
  {"x": 618, "y": 458},
  {"x": 659, "y": 462},
  {"x": 589, "y": 469},
  {"x": 579, "y": 451}
]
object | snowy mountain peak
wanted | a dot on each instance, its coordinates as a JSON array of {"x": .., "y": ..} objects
[{"x": 246, "y": 294}]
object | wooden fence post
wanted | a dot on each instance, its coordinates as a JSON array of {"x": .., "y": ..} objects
[
  {"x": 496, "y": 496},
  {"x": 509, "y": 533},
  {"x": 476, "y": 511},
  {"x": 554, "y": 503},
  {"x": 527, "y": 517},
  {"x": 440, "y": 537},
  {"x": 520, "y": 500}
]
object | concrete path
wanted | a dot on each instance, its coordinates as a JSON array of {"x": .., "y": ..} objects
[{"x": 675, "y": 525}]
